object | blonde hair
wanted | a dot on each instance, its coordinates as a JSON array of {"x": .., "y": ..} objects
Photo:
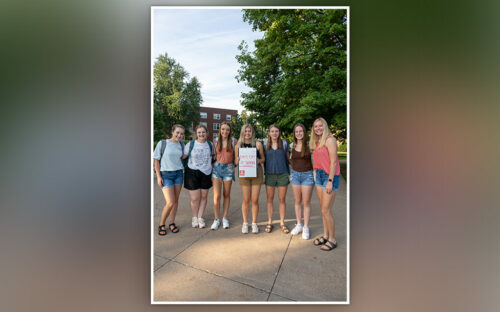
[
  {"x": 229, "y": 147},
  {"x": 270, "y": 140},
  {"x": 241, "y": 140},
  {"x": 315, "y": 138}
]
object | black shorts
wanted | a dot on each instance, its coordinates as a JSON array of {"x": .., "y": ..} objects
[{"x": 195, "y": 179}]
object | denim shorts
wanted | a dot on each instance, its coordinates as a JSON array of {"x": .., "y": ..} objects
[
  {"x": 223, "y": 171},
  {"x": 171, "y": 178},
  {"x": 305, "y": 178},
  {"x": 322, "y": 179}
]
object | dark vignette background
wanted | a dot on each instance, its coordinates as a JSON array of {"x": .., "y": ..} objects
[{"x": 75, "y": 151}]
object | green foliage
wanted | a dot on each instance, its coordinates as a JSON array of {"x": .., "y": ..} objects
[
  {"x": 298, "y": 71},
  {"x": 176, "y": 98},
  {"x": 245, "y": 118}
]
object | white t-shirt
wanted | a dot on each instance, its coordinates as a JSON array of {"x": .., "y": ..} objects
[{"x": 201, "y": 157}]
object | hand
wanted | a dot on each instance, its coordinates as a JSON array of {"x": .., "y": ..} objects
[
  {"x": 160, "y": 181},
  {"x": 329, "y": 187}
]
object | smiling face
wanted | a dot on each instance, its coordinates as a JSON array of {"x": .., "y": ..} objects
[
  {"x": 318, "y": 128},
  {"x": 299, "y": 133},
  {"x": 248, "y": 133},
  {"x": 274, "y": 133},
  {"x": 177, "y": 134},
  {"x": 201, "y": 134},
  {"x": 225, "y": 130}
]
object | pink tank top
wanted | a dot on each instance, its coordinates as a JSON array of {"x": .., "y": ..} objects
[{"x": 321, "y": 160}]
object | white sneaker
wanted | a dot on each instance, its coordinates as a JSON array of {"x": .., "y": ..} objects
[
  {"x": 216, "y": 224},
  {"x": 297, "y": 229},
  {"x": 305, "y": 232},
  {"x": 225, "y": 223},
  {"x": 244, "y": 228},
  {"x": 194, "y": 222},
  {"x": 201, "y": 223},
  {"x": 255, "y": 228}
]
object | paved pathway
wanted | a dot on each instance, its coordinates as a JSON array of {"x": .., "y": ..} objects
[{"x": 226, "y": 265}]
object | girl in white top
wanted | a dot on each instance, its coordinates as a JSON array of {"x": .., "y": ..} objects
[{"x": 198, "y": 174}]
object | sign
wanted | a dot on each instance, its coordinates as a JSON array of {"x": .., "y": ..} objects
[{"x": 248, "y": 162}]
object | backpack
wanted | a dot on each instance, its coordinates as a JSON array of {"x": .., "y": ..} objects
[
  {"x": 164, "y": 145},
  {"x": 191, "y": 145}
]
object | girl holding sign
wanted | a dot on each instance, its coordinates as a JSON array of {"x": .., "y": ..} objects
[
  {"x": 223, "y": 173},
  {"x": 327, "y": 168},
  {"x": 168, "y": 167},
  {"x": 250, "y": 186},
  {"x": 198, "y": 174},
  {"x": 301, "y": 178},
  {"x": 276, "y": 176}
]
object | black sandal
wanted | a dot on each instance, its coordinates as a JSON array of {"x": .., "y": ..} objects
[
  {"x": 329, "y": 245},
  {"x": 173, "y": 228},
  {"x": 320, "y": 241},
  {"x": 161, "y": 230}
]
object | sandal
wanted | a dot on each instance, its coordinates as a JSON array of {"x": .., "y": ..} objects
[
  {"x": 173, "y": 228},
  {"x": 320, "y": 241},
  {"x": 329, "y": 245},
  {"x": 269, "y": 228},
  {"x": 285, "y": 229},
  {"x": 161, "y": 230}
]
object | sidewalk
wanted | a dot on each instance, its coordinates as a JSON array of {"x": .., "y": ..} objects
[{"x": 226, "y": 265}]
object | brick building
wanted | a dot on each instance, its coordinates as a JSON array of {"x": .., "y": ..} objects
[{"x": 211, "y": 117}]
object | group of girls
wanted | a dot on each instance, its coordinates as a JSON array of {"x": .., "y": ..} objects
[{"x": 213, "y": 164}]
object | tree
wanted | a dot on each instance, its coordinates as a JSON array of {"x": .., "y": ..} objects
[
  {"x": 176, "y": 98},
  {"x": 297, "y": 72}
]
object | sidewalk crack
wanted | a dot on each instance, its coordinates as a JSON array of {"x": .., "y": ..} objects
[{"x": 279, "y": 268}]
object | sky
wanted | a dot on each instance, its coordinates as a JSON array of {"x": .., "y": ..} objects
[{"x": 205, "y": 42}]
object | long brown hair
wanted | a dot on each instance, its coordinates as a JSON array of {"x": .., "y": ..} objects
[
  {"x": 270, "y": 140},
  {"x": 304, "y": 140},
  {"x": 229, "y": 146}
]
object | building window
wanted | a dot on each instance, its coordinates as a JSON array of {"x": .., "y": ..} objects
[
  {"x": 215, "y": 135},
  {"x": 203, "y": 115},
  {"x": 203, "y": 123},
  {"x": 217, "y": 116},
  {"x": 228, "y": 117},
  {"x": 216, "y": 126}
]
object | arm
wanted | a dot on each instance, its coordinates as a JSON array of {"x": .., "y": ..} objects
[
  {"x": 331, "y": 145},
  {"x": 156, "y": 157},
  {"x": 236, "y": 157}
]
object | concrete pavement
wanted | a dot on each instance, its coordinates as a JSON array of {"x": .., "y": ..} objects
[{"x": 226, "y": 265}]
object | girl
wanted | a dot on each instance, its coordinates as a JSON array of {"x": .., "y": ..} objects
[
  {"x": 223, "y": 173},
  {"x": 276, "y": 176},
  {"x": 168, "y": 167},
  {"x": 198, "y": 174},
  {"x": 302, "y": 179},
  {"x": 327, "y": 169},
  {"x": 250, "y": 187}
]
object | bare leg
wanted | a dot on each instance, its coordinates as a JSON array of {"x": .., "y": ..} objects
[
  {"x": 217, "y": 186},
  {"x": 227, "y": 198},
  {"x": 270, "y": 199},
  {"x": 306, "y": 199},
  {"x": 203, "y": 202},
  {"x": 319, "y": 191},
  {"x": 169, "y": 195},
  {"x": 246, "y": 191},
  {"x": 255, "y": 202},
  {"x": 282, "y": 197},
  {"x": 326, "y": 211},
  {"x": 297, "y": 196},
  {"x": 195, "y": 201}
]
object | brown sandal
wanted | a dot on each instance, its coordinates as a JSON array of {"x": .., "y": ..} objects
[
  {"x": 285, "y": 229},
  {"x": 269, "y": 228}
]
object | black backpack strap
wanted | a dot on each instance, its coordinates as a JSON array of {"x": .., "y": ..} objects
[{"x": 163, "y": 146}]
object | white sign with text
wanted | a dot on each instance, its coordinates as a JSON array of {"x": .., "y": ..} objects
[{"x": 248, "y": 162}]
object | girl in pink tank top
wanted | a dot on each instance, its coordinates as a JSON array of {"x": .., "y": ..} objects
[{"x": 327, "y": 178}]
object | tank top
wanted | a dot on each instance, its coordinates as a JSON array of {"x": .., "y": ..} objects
[
  {"x": 321, "y": 160},
  {"x": 301, "y": 164}
]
